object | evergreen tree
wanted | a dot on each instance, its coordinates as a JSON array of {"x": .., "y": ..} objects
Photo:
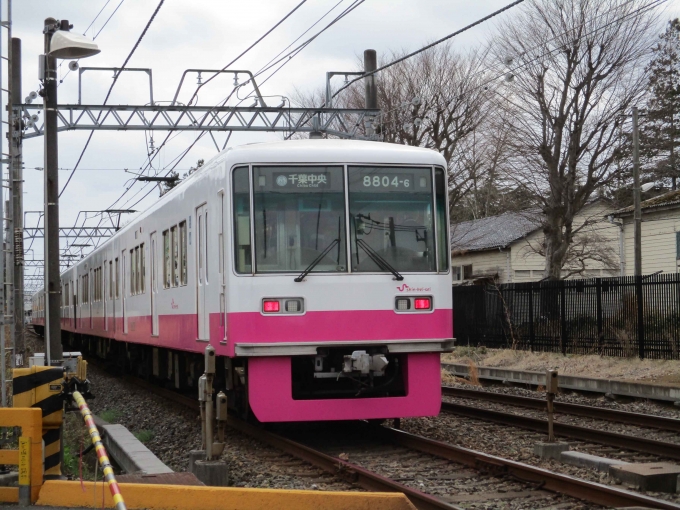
[{"x": 659, "y": 128}]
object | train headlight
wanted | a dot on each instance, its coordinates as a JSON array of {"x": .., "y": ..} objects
[
  {"x": 403, "y": 304},
  {"x": 293, "y": 306}
]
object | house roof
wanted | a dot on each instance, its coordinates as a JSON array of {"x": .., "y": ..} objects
[
  {"x": 672, "y": 198},
  {"x": 494, "y": 231}
]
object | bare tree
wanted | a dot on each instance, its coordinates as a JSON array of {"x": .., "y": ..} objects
[
  {"x": 437, "y": 100},
  {"x": 580, "y": 66}
]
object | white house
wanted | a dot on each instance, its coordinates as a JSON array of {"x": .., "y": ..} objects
[
  {"x": 660, "y": 235},
  {"x": 507, "y": 248}
]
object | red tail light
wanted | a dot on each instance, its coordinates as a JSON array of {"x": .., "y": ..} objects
[
  {"x": 422, "y": 304},
  {"x": 271, "y": 306}
]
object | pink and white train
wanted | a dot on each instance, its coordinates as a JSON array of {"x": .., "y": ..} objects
[{"x": 317, "y": 269}]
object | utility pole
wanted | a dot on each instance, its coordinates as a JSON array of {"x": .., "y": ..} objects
[
  {"x": 17, "y": 178},
  {"x": 52, "y": 277},
  {"x": 371, "y": 94},
  {"x": 637, "y": 217},
  {"x": 636, "y": 195}
]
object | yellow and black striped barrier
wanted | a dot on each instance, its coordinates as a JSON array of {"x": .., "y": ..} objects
[
  {"x": 104, "y": 462},
  {"x": 42, "y": 387}
]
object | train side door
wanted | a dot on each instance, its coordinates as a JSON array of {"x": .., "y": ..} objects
[
  {"x": 154, "y": 285},
  {"x": 124, "y": 289},
  {"x": 75, "y": 302},
  {"x": 90, "y": 295},
  {"x": 202, "y": 271},
  {"x": 116, "y": 292},
  {"x": 105, "y": 298}
]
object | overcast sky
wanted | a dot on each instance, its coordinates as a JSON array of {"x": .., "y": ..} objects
[{"x": 205, "y": 34}]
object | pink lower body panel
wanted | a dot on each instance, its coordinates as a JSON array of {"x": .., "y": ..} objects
[{"x": 271, "y": 394}]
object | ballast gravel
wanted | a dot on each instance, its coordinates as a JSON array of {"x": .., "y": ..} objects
[
  {"x": 174, "y": 431},
  {"x": 517, "y": 444}
]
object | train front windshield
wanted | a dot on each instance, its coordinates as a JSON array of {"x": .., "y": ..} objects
[
  {"x": 303, "y": 217},
  {"x": 299, "y": 215}
]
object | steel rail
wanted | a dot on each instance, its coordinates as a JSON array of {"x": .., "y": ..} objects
[
  {"x": 599, "y": 413},
  {"x": 562, "y": 484},
  {"x": 555, "y": 482},
  {"x": 364, "y": 478},
  {"x": 333, "y": 465},
  {"x": 627, "y": 442}
]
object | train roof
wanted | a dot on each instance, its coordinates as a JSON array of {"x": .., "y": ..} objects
[
  {"x": 342, "y": 151},
  {"x": 291, "y": 152}
]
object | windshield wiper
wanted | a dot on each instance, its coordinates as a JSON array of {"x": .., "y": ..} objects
[
  {"x": 379, "y": 260},
  {"x": 316, "y": 261}
]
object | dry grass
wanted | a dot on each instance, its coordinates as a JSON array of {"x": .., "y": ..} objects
[
  {"x": 629, "y": 369},
  {"x": 474, "y": 374}
]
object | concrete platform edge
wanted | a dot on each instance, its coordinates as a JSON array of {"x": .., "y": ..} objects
[
  {"x": 179, "y": 497},
  {"x": 622, "y": 388},
  {"x": 128, "y": 451}
]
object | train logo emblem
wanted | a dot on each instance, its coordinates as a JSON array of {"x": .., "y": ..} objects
[
  {"x": 282, "y": 180},
  {"x": 406, "y": 288}
]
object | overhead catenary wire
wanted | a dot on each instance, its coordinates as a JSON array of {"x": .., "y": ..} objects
[
  {"x": 295, "y": 51},
  {"x": 61, "y": 80},
  {"x": 108, "y": 94},
  {"x": 115, "y": 79},
  {"x": 223, "y": 102},
  {"x": 152, "y": 157},
  {"x": 246, "y": 50}
]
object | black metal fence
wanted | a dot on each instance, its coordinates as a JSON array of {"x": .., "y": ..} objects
[{"x": 624, "y": 316}]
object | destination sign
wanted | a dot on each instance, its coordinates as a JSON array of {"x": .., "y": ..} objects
[{"x": 302, "y": 180}]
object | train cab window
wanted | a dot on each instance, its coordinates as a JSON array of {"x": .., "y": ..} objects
[
  {"x": 183, "y": 253},
  {"x": 391, "y": 219},
  {"x": 241, "y": 191},
  {"x": 299, "y": 217}
]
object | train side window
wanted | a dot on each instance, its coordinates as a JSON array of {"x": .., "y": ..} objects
[
  {"x": 167, "y": 271},
  {"x": 142, "y": 270},
  {"x": 183, "y": 252},
  {"x": 110, "y": 279},
  {"x": 174, "y": 263},
  {"x": 117, "y": 278},
  {"x": 132, "y": 272},
  {"x": 242, "y": 245},
  {"x": 442, "y": 237}
]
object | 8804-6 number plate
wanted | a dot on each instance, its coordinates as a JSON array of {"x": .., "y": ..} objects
[{"x": 387, "y": 180}]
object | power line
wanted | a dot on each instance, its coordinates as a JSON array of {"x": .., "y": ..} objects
[
  {"x": 61, "y": 80},
  {"x": 292, "y": 54},
  {"x": 640, "y": 10},
  {"x": 108, "y": 94},
  {"x": 97, "y": 16},
  {"x": 185, "y": 152},
  {"x": 247, "y": 50},
  {"x": 107, "y": 20},
  {"x": 431, "y": 45}
]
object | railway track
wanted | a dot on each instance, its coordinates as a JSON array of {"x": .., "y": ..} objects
[
  {"x": 654, "y": 447},
  {"x": 452, "y": 463},
  {"x": 599, "y": 413}
]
